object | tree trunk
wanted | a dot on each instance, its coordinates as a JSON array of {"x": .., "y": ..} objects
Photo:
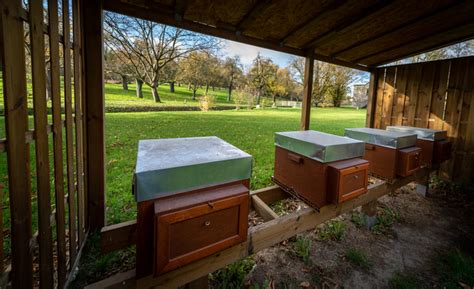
[
  {"x": 172, "y": 87},
  {"x": 230, "y": 93},
  {"x": 154, "y": 92},
  {"x": 189, "y": 86},
  {"x": 124, "y": 82},
  {"x": 207, "y": 87},
  {"x": 194, "y": 94},
  {"x": 213, "y": 88},
  {"x": 258, "y": 97},
  {"x": 139, "y": 88},
  {"x": 48, "y": 84}
]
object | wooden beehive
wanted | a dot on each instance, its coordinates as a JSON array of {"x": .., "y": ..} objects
[
  {"x": 192, "y": 198},
  {"x": 434, "y": 144},
  {"x": 389, "y": 153},
  {"x": 320, "y": 168}
]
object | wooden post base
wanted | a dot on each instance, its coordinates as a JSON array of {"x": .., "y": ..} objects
[{"x": 369, "y": 212}]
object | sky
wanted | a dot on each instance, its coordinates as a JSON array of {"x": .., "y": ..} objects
[{"x": 248, "y": 53}]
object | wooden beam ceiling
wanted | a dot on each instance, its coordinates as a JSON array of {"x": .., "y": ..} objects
[
  {"x": 257, "y": 8},
  {"x": 429, "y": 42},
  {"x": 347, "y": 24},
  {"x": 308, "y": 23},
  {"x": 395, "y": 29},
  {"x": 165, "y": 15}
]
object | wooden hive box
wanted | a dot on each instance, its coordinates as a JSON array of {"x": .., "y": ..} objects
[
  {"x": 193, "y": 200},
  {"x": 320, "y": 168},
  {"x": 434, "y": 144},
  {"x": 390, "y": 153}
]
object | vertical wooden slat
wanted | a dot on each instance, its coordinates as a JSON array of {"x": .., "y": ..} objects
[
  {"x": 94, "y": 94},
  {"x": 69, "y": 132},
  {"x": 414, "y": 76},
  {"x": 78, "y": 119},
  {"x": 372, "y": 98},
  {"x": 307, "y": 91},
  {"x": 425, "y": 91},
  {"x": 15, "y": 94},
  {"x": 41, "y": 145},
  {"x": 2, "y": 266},
  {"x": 399, "y": 101},
  {"x": 440, "y": 86},
  {"x": 379, "y": 98},
  {"x": 463, "y": 149},
  {"x": 388, "y": 95},
  {"x": 57, "y": 141}
]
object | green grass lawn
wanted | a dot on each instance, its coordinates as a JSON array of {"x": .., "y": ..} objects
[
  {"x": 251, "y": 131},
  {"x": 116, "y": 97}
]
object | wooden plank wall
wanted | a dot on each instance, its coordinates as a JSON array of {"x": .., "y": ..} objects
[
  {"x": 41, "y": 257},
  {"x": 437, "y": 94}
]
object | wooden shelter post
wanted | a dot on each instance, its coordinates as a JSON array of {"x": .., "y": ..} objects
[
  {"x": 371, "y": 104},
  {"x": 307, "y": 91},
  {"x": 94, "y": 111}
]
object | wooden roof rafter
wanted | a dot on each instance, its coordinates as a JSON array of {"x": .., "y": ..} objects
[
  {"x": 421, "y": 41},
  {"x": 303, "y": 26},
  {"x": 396, "y": 28},
  {"x": 347, "y": 23},
  {"x": 251, "y": 14}
]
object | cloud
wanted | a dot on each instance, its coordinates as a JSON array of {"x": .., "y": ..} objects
[{"x": 248, "y": 53}]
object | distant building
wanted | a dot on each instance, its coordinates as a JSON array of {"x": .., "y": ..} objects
[{"x": 360, "y": 95}]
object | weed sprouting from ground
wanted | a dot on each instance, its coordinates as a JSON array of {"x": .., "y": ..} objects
[
  {"x": 358, "y": 219},
  {"x": 456, "y": 268},
  {"x": 302, "y": 248},
  {"x": 333, "y": 230},
  {"x": 385, "y": 219},
  {"x": 233, "y": 276},
  {"x": 358, "y": 258},
  {"x": 405, "y": 281}
]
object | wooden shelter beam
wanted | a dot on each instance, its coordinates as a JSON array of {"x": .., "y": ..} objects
[
  {"x": 396, "y": 28},
  {"x": 166, "y": 16},
  {"x": 425, "y": 42},
  {"x": 307, "y": 92},
  {"x": 94, "y": 111}
]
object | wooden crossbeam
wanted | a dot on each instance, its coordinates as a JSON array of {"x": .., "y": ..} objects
[
  {"x": 263, "y": 209},
  {"x": 259, "y": 238}
]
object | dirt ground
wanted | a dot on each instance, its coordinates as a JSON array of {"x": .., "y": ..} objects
[{"x": 423, "y": 228}]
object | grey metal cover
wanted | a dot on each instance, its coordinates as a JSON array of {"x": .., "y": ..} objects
[
  {"x": 391, "y": 139},
  {"x": 170, "y": 166},
  {"x": 422, "y": 133},
  {"x": 320, "y": 146}
]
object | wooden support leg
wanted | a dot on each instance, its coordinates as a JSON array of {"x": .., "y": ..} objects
[
  {"x": 201, "y": 283},
  {"x": 422, "y": 187},
  {"x": 369, "y": 211}
]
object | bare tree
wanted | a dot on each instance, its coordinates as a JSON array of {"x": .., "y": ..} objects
[{"x": 150, "y": 46}]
